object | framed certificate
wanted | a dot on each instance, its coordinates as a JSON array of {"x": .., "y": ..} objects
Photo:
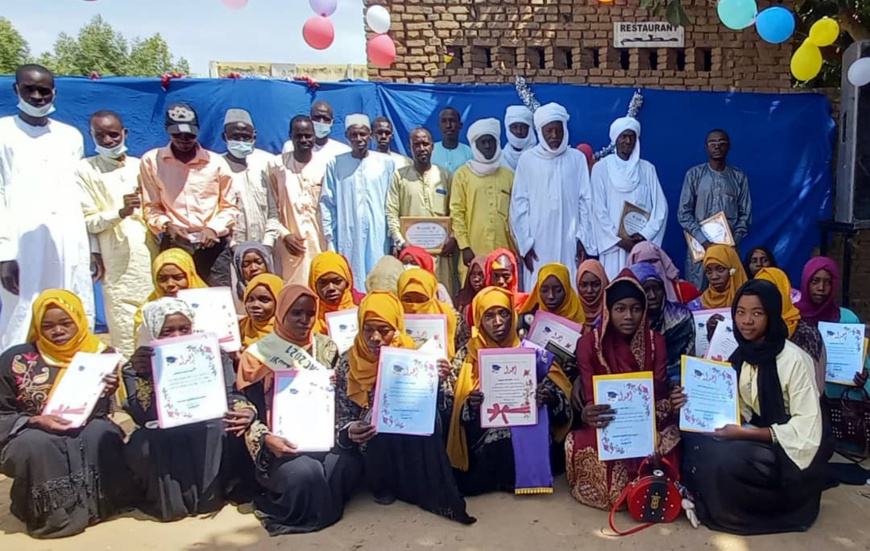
[
  {"x": 343, "y": 327},
  {"x": 406, "y": 393},
  {"x": 427, "y": 232},
  {"x": 548, "y": 328},
  {"x": 508, "y": 380},
  {"x": 712, "y": 391},
  {"x": 701, "y": 317},
  {"x": 632, "y": 432},
  {"x": 215, "y": 313},
  {"x": 78, "y": 390},
  {"x": 844, "y": 343},
  {"x": 188, "y": 380},
  {"x": 303, "y": 409},
  {"x": 426, "y": 327},
  {"x": 632, "y": 221},
  {"x": 716, "y": 228}
]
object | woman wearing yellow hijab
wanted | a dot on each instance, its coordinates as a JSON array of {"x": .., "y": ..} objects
[
  {"x": 486, "y": 457},
  {"x": 260, "y": 298},
  {"x": 725, "y": 274},
  {"x": 801, "y": 333},
  {"x": 414, "y": 469},
  {"x": 418, "y": 292},
  {"x": 552, "y": 293},
  {"x": 332, "y": 280},
  {"x": 49, "y": 462},
  {"x": 173, "y": 270}
]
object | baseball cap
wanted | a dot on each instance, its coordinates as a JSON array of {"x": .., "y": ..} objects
[{"x": 181, "y": 119}]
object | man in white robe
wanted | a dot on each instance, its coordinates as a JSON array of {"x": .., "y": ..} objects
[
  {"x": 325, "y": 148},
  {"x": 624, "y": 178},
  {"x": 43, "y": 240},
  {"x": 112, "y": 205},
  {"x": 518, "y": 122},
  {"x": 550, "y": 212},
  {"x": 353, "y": 201}
]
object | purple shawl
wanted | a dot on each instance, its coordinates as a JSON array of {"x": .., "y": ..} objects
[
  {"x": 828, "y": 310},
  {"x": 531, "y": 444}
]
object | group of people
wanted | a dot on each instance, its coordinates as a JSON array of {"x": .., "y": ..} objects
[{"x": 316, "y": 230}]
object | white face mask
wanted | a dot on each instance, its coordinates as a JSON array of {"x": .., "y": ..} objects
[
  {"x": 322, "y": 130},
  {"x": 240, "y": 150},
  {"x": 36, "y": 112},
  {"x": 112, "y": 152}
]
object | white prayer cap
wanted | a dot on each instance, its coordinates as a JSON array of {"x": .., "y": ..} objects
[
  {"x": 551, "y": 112},
  {"x": 518, "y": 113},
  {"x": 621, "y": 125},
  {"x": 484, "y": 127},
  {"x": 357, "y": 119},
  {"x": 238, "y": 115}
]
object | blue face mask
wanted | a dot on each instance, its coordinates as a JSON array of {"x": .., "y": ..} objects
[{"x": 240, "y": 150}]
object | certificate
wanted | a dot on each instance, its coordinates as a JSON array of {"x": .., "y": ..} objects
[
  {"x": 188, "y": 380},
  {"x": 716, "y": 229},
  {"x": 633, "y": 220},
  {"x": 712, "y": 391},
  {"x": 406, "y": 393},
  {"x": 425, "y": 327},
  {"x": 723, "y": 343},
  {"x": 343, "y": 327},
  {"x": 215, "y": 313},
  {"x": 548, "y": 328},
  {"x": 427, "y": 232},
  {"x": 508, "y": 380},
  {"x": 80, "y": 386},
  {"x": 844, "y": 343},
  {"x": 701, "y": 317},
  {"x": 303, "y": 409},
  {"x": 632, "y": 432}
]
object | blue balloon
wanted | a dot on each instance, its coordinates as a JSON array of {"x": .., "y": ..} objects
[
  {"x": 737, "y": 14},
  {"x": 775, "y": 25}
]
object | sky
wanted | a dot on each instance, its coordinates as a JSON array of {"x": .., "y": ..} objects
[{"x": 199, "y": 30}]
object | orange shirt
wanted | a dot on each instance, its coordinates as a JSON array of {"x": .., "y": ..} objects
[{"x": 194, "y": 195}]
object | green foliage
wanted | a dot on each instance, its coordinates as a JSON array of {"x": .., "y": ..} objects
[{"x": 14, "y": 51}]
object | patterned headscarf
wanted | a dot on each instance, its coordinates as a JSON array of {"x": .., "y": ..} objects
[
  {"x": 594, "y": 309},
  {"x": 156, "y": 312}
]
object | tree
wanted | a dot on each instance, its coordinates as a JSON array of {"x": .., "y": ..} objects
[
  {"x": 14, "y": 50},
  {"x": 151, "y": 57}
]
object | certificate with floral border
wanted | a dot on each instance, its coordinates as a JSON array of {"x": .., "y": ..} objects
[
  {"x": 712, "y": 391},
  {"x": 508, "y": 380},
  {"x": 844, "y": 344},
  {"x": 303, "y": 409},
  {"x": 79, "y": 387},
  {"x": 425, "y": 327},
  {"x": 215, "y": 313},
  {"x": 632, "y": 432},
  {"x": 406, "y": 393},
  {"x": 343, "y": 327},
  {"x": 549, "y": 328}
]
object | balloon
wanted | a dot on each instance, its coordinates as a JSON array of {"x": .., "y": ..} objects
[
  {"x": 381, "y": 50},
  {"x": 824, "y": 32},
  {"x": 235, "y": 4},
  {"x": 737, "y": 14},
  {"x": 323, "y": 7},
  {"x": 859, "y": 72},
  {"x": 775, "y": 25},
  {"x": 586, "y": 150},
  {"x": 806, "y": 62},
  {"x": 378, "y": 19},
  {"x": 318, "y": 32}
]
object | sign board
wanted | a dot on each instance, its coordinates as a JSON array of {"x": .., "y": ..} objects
[{"x": 647, "y": 34}]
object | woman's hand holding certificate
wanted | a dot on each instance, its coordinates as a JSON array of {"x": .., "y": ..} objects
[{"x": 709, "y": 400}]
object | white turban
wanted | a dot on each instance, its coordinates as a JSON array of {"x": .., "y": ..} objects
[
  {"x": 479, "y": 164},
  {"x": 518, "y": 114},
  {"x": 154, "y": 313},
  {"x": 357, "y": 119},
  {"x": 544, "y": 115},
  {"x": 624, "y": 175}
]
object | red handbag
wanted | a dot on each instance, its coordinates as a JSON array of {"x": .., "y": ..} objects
[{"x": 652, "y": 498}]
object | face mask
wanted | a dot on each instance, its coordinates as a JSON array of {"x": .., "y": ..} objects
[
  {"x": 240, "y": 150},
  {"x": 322, "y": 130},
  {"x": 112, "y": 152},
  {"x": 36, "y": 112}
]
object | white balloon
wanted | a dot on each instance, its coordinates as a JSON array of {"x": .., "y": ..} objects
[
  {"x": 378, "y": 19},
  {"x": 859, "y": 72}
]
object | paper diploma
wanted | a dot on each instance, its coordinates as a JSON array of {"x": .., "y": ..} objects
[
  {"x": 633, "y": 220},
  {"x": 844, "y": 343},
  {"x": 215, "y": 313},
  {"x": 343, "y": 327},
  {"x": 188, "y": 380},
  {"x": 406, "y": 393},
  {"x": 632, "y": 432},
  {"x": 701, "y": 319},
  {"x": 303, "y": 409},
  {"x": 508, "y": 380},
  {"x": 712, "y": 391},
  {"x": 80, "y": 386},
  {"x": 425, "y": 327},
  {"x": 723, "y": 343},
  {"x": 548, "y": 328}
]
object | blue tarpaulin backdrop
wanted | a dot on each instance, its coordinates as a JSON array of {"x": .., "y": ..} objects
[{"x": 782, "y": 141}]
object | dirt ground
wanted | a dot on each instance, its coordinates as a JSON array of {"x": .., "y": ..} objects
[{"x": 553, "y": 522}]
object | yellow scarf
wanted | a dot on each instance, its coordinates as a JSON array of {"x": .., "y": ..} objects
[
  {"x": 181, "y": 260},
  {"x": 251, "y": 330},
  {"x": 790, "y": 314},
  {"x": 329, "y": 262},
  {"x": 571, "y": 308},
  {"x": 420, "y": 281},
  {"x": 83, "y": 340},
  {"x": 725, "y": 256}
]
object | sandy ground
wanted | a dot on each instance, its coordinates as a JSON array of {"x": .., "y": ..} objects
[{"x": 554, "y": 522}]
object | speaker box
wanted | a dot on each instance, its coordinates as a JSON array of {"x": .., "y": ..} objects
[{"x": 852, "y": 199}]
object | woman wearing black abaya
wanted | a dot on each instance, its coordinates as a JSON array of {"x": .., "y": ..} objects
[{"x": 766, "y": 477}]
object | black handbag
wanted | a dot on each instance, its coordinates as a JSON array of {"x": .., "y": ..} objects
[{"x": 850, "y": 424}]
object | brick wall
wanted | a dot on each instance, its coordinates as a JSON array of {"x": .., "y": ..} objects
[{"x": 571, "y": 41}]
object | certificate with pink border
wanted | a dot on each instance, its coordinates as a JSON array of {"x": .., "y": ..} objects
[
  {"x": 508, "y": 381},
  {"x": 631, "y": 433},
  {"x": 426, "y": 327},
  {"x": 406, "y": 393},
  {"x": 549, "y": 328}
]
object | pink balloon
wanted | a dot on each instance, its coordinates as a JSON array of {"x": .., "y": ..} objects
[
  {"x": 235, "y": 4},
  {"x": 586, "y": 150},
  {"x": 382, "y": 50},
  {"x": 318, "y": 32},
  {"x": 323, "y": 7}
]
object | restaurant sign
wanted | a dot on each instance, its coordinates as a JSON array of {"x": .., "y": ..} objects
[{"x": 652, "y": 34}]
